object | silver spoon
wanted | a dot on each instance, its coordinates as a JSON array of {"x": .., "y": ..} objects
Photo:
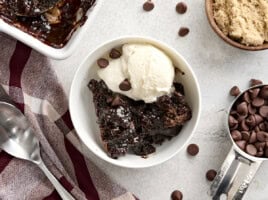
[{"x": 19, "y": 140}]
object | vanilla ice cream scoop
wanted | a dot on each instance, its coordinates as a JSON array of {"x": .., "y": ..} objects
[{"x": 148, "y": 69}]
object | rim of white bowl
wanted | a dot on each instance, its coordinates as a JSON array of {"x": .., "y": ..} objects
[{"x": 198, "y": 111}]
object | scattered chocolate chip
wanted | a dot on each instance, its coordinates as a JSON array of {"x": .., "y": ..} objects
[
  {"x": 235, "y": 91},
  {"x": 264, "y": 111},
  {"x": 117, "y": 101},
  {"x": 102, "y": 62},
  {"x": 176, "y": 195},
  {"x": 115, "y": 54},
  {"x": 183, "y": 31},
  {"x": 148, "y": 6},
  {"x": 241, "y": 144},
  {"x": 181, "y": 8},
  {"x": 211, "y": 174},
  {"x": 125, "y": 85},
  {"x": 193, "y": 149},
  {"x": 236, "y": 135},
  {"x": 254, "y": 82},
  {"x": 251, "y": 150}
]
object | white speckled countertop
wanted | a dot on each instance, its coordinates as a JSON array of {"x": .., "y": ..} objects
[{"x": 218, "y": 67}]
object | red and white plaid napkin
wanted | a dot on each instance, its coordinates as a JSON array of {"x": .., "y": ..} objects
[{"x": 30, "y": 82}]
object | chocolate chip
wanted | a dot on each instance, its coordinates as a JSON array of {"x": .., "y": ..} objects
[
  {"x": 264, "y": 92},
  {"x": 246, "y": 97},
  {"x": 258, "y": 118},
  {"x": 251, "y": 109},
  {"x": 256, "y": 129},
  {"x": 115, "y": 54},
  {"x": 257, "y": 102},
  {"x": 235, "y": 91},
  {"x": 264, "y": 111},
  {"x": 181, "y": 7},
  {"x": 102, "y": 62},
  {"x": 193, "y": 149},
  {"x": 260, "y": 153},
  {"x": 245, "y": 135},
  {"x": 242, "y": 108},
  {"x": 148, "y": 6},
  {"x": 259, "y": 145},
  {"x": 254, "y": 82},
  {"x": 232, "y": 121},
  {"x": 240, "y": 118},
  {"x": 109, "y": 100},
  {"x": 266, "y": 152},
  {"x": 211, "y": 174},
  {"x": 262, "y": 136},
  {"x": 117, "y": 101},
  {"x": 125, "y": 85},
  {"x": 253, "y": 137},
  {"x": 244, "y": 126},
  {"x": 262, "y": 126},
  {"x": 241, "y": 144},
  {"x": 251, "y": 121},
  {"x": 183, "y": 31},
  {"x": 254, "y": 92},
  {"x": 236, "y": 135},
  {"x": 234, "y": 127},
  {"x": 176, "y": 195},
  {"x": 251, "y": 150}
]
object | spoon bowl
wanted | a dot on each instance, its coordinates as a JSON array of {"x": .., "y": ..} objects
[
  {"x": 19, "y": 140},
  {"x": 16, "y": 136}
]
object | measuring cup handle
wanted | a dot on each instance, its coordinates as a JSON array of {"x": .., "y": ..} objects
[{"x": 234, "y": 176}]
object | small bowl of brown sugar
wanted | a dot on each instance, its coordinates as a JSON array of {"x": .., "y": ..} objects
[{"x": 242, "y": 24}]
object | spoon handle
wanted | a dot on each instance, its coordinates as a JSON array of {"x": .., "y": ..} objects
[{"x": 60, "y": 189}]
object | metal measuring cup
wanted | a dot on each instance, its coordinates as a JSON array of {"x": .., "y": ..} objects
[{"x": 239, "y": 167}]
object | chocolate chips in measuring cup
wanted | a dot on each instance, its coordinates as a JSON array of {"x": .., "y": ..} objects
[{"x": 248, "y": 121}]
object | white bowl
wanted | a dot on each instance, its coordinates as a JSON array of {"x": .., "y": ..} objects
[
  {"x": 83, "y": 112},
  {"x": 45, "y": 49}
]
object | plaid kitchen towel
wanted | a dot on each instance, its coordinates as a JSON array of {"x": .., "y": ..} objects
[{"x": 30, "y": 82}]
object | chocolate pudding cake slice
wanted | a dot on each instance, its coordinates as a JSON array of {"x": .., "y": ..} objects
[{"x": 135, "y": 126}]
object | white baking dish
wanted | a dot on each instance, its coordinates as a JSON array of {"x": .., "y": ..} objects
[{"x": 45, "y": 49}]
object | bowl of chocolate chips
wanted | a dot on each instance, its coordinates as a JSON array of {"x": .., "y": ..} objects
[
  {"x": 248, "y": 131},
  {"x": 135, "y": 102}
]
